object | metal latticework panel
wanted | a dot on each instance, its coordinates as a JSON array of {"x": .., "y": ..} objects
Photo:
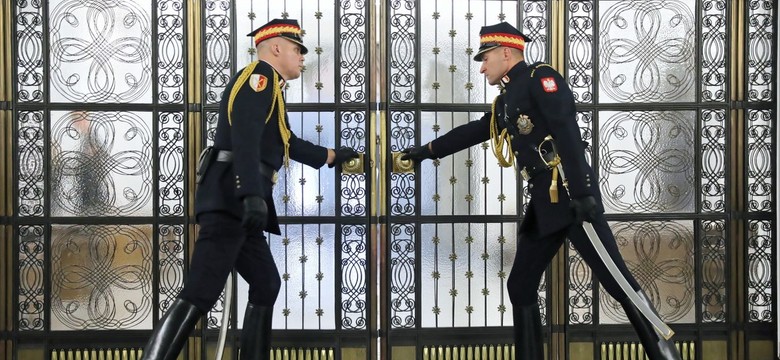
[{"x": 104, "y": 106}]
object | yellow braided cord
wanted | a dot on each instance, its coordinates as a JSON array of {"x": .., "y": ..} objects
[
  {"x": 498, "y": 141},
  {"x": 283, "y": 130},
  {"x": 248, "y": 70},
  {"x": 273, "y": 98}
]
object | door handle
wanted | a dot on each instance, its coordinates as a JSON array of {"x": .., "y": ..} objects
[
  {"x": 353, "y": 166},
  {"x": 402, "y": 166}
]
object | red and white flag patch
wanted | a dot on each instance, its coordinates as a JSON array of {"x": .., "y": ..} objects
[{"x": 549, "y": 84}]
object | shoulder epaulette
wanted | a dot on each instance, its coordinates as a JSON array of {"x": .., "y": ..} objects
[
  {"x": 248, "y": 70},
  {"x": 538, "y": 65}
]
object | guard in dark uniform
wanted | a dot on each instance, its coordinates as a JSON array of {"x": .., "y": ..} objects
[
  {"x": 234, "y": 202},
  {"x": 533, "y": 126}
]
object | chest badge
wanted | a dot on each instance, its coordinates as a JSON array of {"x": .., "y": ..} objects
[{"x": 524, "y": 124}]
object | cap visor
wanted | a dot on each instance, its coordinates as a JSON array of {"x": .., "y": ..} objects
[
  {"x": 478, "y": 56},
  {"x": 304, "y": 50}
]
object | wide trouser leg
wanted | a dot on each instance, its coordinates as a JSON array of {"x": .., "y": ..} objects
[
  {"x": 171, "y": 333},
  {"x": 219, "y": 241},
  {"x": 656, "y": 347},
  {"x": 256, "y": 265},
  {"x": 256, "y": 333},
  {"x": 534, "y": 254}
]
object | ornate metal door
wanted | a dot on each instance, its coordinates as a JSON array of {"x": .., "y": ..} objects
[
  {"x": 104, "y": 106},
  {"x": 677, "y": 102}
]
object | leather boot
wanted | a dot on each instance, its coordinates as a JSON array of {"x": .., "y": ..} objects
[
  {"x": 171, "y": 333},
  {"x": 656, "y": 347},
  {"x": 528, "y": 333},
  {"x": 256, "y": 333}
]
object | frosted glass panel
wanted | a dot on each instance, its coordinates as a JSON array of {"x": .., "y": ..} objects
[
  {"x": 464, "y": 270},
  {"x": 306, "y": 258},
  {"x": 647, "y": 161}
]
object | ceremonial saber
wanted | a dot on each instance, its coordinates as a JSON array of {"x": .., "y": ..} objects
[
  {"x": 225, "y": 317},
  {"x": 651, "y": 316}
]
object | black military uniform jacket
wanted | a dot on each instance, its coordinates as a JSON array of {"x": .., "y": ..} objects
[
  {"x": 538, "y": 94},
  {"x": 254, "y": 137}
]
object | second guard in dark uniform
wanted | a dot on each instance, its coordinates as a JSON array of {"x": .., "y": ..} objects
[
  {"x": 233, "y": 201},
  {"x": 532, "y": 125}
]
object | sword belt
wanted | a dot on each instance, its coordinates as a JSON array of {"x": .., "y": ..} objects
[{"x": 265, "y": 170}]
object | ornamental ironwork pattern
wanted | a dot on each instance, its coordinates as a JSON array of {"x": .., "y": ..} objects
[
  {"x": 646, "y": 161},
  {"x": 353, "y": 52},
  {"x": 170, "y": 45},
  {"x": 354, "y": 190},
  {"x": 402, "y": 189},
  {"x": 210, "y": 121},
  {"x": 403, "y": 57},
  {"x": 580, "y": 286},
  {"x": 171, "y": 265},
  {"x": 32, "y": 163},
  {"x": 214, "y": 316},
  {"x": 100, "y": 52},
  {"x": 580, "y": 279},
  {"x": 761, "y": 51},
  {"x": 760, "y": 160},
  {"x": 660, "y": 257},
  {"x": 713, "y": 160},
  {"x": 585, "y": 122},
  {"x": 647, "y": 51},
  {"x": 713, "y": 270},
  {"x": 534, "y": 21},
  {"x": 32, "y": 278},
  {"x": 218, "y": 45},
  {"x": 403, "y": 301},
  {"x": 29, "y": 51},
  {"x": 354, "y": 277},
  {"x": 761, "y": 273},
  {"x": 101, "y": 277},
  {"x": 580, "y": 54},
  {"x": 713, "y": 55},
  {"x": 464, "y": 274},
  {"x": 101, "y": 163},
  {"x": 170, "y": 164}
]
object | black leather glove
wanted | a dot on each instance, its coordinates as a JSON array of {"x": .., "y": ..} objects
[
  {"x": 418, "y": 153},
  {"x": 585, "y": 209},
  {"x": 255, "y": 214},
  {"x": 343, "y": 154}
]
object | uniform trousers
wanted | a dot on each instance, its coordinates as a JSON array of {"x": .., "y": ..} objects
[
  {"x": 222, "y": 245},
  {"x": 535, "y": 252}
]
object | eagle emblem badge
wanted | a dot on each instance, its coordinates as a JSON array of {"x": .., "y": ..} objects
[{"x": 524, "y": 124}]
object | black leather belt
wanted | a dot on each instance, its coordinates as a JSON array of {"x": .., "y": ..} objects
[
  {"x": 265, "y": 170},
  {"x": 531, "y": 171}
]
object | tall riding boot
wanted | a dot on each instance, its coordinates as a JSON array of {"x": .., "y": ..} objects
[
  {"x": 171, "y": 333},
  {"x": 656, "y": 347},
  {"x": 528, "y": 333},
  {"x": 256, "y": 333}
]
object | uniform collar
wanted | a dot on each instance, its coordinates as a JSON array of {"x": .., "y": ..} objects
[
  {"x": 281, "y": 79},
  {"x": 513, "y": 73}
]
